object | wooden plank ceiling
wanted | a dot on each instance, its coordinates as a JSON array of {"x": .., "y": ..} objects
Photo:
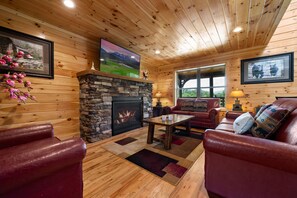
[{"x": 180, "y": 29}]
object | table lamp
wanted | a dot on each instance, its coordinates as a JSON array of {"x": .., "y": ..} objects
[
  {"x": 158, "y": 96},
  {"x": 237, "y": 94}
]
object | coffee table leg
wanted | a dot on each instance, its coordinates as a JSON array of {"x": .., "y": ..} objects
[
  {"x": 150, "y": 133},
  {"x": 188, "y": 128},
  {"x": 168, "y": 137}
]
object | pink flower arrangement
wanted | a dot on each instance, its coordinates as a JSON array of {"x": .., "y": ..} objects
[{"x": 8, "y": 81}]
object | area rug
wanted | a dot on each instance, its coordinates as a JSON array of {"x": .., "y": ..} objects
[{"x": 170, "y": 165}]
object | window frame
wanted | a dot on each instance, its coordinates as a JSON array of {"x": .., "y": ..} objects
[{"x": 179, "y": 91}]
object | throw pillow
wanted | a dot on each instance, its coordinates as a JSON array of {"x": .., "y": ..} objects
[
  {"x": 187, "y": 106},
  {"x": 262, "y": 108},
  {"x": 200, "y": 106},
  {"x": 269, "y": 121},
  {"x": 243, "y": 123}
]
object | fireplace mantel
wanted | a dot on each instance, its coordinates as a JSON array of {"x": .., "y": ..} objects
[
  {"x": 96, "y": 92},
  {"x": 99, "y": 73}
]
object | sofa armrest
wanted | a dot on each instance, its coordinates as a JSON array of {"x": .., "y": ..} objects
[
  {"x": 29, "y": 162},
  {"x": 233, "y": 114},
  {"x": 278, "y": 155},
  {"x": 173, "y": 108},
  {"x": 22, "y": 135}
]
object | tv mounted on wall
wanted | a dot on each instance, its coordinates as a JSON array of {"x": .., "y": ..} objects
[{"x": 117, "y": 60}]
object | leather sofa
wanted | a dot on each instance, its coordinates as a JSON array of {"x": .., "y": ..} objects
[
  {"x": 243, "y": 166},
  {"x": 203, "y": 119},
  {"x": 34, "y": 163}
]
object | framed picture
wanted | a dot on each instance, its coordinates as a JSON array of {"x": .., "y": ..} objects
[
  {"x": 268, "y": 69},
  {"x": 37, "y": 53}
]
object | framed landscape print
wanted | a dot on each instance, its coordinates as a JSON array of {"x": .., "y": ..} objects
[
  {"x": 268, "y": 69},
  {"x": 37, "y": 53}
]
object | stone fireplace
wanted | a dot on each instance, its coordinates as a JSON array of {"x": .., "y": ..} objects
[{"x": 99, "y": 91}]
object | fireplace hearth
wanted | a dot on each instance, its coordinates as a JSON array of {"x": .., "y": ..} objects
[{"x": 126, "y": 114}]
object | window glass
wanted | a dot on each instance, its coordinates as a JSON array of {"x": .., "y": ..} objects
[
  {"x": 219, "y": 92},
  {"x": 191, "y": 84},
  {"x": 205, "y": 93},
  {"x": 189, "y": 93},
  {"x": 219, "y": 81},
  {"x": 204, "y": 82}
]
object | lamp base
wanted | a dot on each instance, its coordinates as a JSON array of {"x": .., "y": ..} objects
[
  {"x": 237, "y": 106},
  {"x": 159, "y": 104}
]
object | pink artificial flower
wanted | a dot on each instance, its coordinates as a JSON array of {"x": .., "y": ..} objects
[
  {"x": 14, "y": 64},
  {"x": 22, "y": 99},
  {"x": 20, "y": 80},
  {"x": 10, "y": 82},
  {"x": 27, "y": 83},
  {"x": 20, "y": 54},
  {"x": 12, "y": 93},
  {"x": 14, "y": 76},
  {"x": 8, "y": 52},
  {"x": 21, "y": 75},
  {"x": 7, "y": 58},
  {"x": 26, "y": 94},
  {"x": 2, "y": 62},
  {"x": 6, "y": 76},
  {"x": 29, "y": 56}
]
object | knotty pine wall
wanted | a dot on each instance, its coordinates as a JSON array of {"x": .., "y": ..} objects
[
  {"x": 284, "y": 40},
  {"x": 57, "y": 99}
]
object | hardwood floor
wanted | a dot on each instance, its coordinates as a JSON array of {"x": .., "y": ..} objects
[{"x": 106, "y": 175}]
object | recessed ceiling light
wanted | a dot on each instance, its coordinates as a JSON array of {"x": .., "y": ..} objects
[
  {"x": 69, "y": 3},
  {"x": 132, "y": 56},
  {"x": 101, "y": 59},
  {"x": 157, "y": 52},
  {"x": 237, "y": 29}
]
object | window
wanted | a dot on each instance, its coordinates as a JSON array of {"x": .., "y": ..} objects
[{"x": 204, "y": 82}]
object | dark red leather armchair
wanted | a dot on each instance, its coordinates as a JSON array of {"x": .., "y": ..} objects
[
  {"x": 242, "y": 166},
  {"x": 33, "y": 163}
]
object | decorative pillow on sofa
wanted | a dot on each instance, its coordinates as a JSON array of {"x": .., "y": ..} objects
[
  {"x": 269, "y": 121},
  {"x": 243, "y": 123},
  {"x": 187, "y": 106},
  {"x": 200, "y": 106},
  {"x": 262, "y": 108}
]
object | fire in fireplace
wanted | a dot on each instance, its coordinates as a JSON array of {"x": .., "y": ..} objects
[{"x": 126, "y": 113}]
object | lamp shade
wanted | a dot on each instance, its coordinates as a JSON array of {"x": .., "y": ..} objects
[
  {"x": 158, "y": 94},
  {"x": 237, "y": 94}
]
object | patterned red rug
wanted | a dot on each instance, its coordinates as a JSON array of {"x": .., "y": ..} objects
[{"x": 171, "y": 165}]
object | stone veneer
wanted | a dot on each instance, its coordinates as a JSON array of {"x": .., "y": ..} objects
[{"x": 96, "y": 91}]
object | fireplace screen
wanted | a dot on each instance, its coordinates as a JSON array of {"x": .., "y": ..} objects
[{"x": 126, "y": 114}]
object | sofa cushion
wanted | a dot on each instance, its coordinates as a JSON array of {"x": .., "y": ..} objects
[
  {"x": 200, "y": 106},
  {"x": 199, "y": 115},
  {"x": 187, "y": 105},
  {"x": 269, "y": 121},
  {"x": 243, "y": 123}
]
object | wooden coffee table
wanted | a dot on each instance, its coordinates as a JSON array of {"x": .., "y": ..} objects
[{"x": 169, "y": 124}]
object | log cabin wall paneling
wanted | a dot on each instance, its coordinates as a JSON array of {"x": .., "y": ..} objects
[
  {"x": 57, "y": 99},
  {"x": 283, "y": 40}
]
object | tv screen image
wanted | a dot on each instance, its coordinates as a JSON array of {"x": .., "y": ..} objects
[{"x": 117, "y": 60}]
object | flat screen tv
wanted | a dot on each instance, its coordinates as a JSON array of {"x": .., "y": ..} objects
[{"x": 117, "y": 60}]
